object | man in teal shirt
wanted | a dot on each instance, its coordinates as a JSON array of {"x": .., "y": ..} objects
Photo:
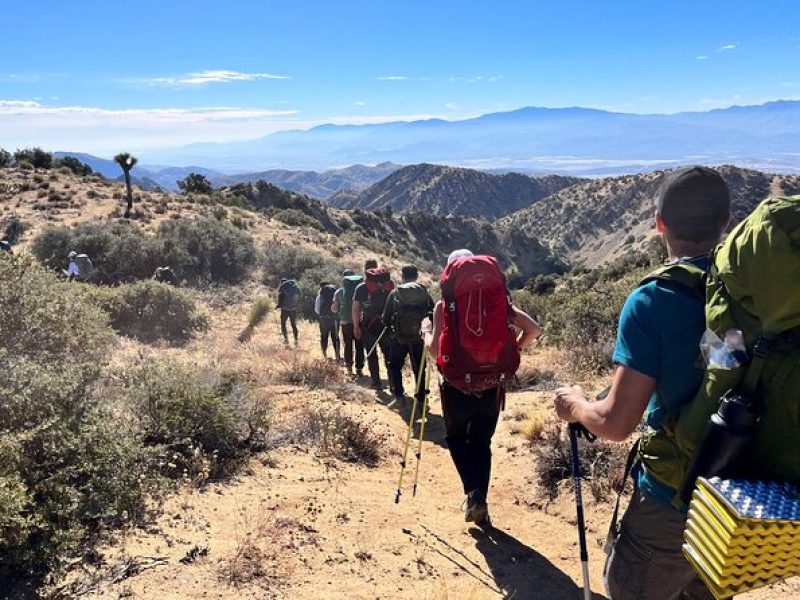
[{"x": 657, "y": 346}]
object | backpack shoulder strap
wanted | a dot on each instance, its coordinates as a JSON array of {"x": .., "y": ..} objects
[{"x": 684, "y": 273}]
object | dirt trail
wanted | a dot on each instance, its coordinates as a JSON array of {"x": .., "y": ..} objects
[{"x": 303, "y": 527}]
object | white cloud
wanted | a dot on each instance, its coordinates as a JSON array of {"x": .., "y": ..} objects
[
  {"x": 701, "y": 57},
  {"x": 27, "y": 122},
  {"x": 393, "y": 78},
  {"x": 360, "y": 103},
  {"x": 207, "y": 77},
  {"x": 726, "y": 47},
  {"x": 451, "y": 106}
]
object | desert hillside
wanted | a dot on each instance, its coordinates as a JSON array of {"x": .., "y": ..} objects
[
  {"x": 598, "y": 220},
  {"x": 447, "y": 191},
  {"x": 200, "y": 462}
]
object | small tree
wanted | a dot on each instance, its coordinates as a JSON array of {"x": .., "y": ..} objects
[
  {"x": 126, "y": 163},
  {"x": 35, "y": 156},
  {"x": 74, "y": 165},
  {"x": 195, "y": 183},
  {"x": 5, "y": 158}
]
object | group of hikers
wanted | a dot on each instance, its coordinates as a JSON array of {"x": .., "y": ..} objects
[{"x": 475, "y": 335}]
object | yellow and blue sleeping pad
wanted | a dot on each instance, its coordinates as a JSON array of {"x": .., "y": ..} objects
[{"x": 741, "y": 535}]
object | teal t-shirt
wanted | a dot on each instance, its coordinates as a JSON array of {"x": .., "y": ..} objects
[{"x": 659, "y": 335}]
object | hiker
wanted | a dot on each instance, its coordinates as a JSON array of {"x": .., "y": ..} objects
[
  {"x": 165, "y": 275},
  {"x": 80, "y": 267},
  {"x": 369, "y": 300},
  {"x": 343, "y": 306},
  {"x": 656, "y": 350},
  {"x": 5, "y": 247},
  {"x": 475, "y": 326},
  {"x": 406, "y": 307},
  {"x": 288, "y": 301},
  {"x": 328, "y": 325}
]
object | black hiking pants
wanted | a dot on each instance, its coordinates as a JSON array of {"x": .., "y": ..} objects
[
  {"x": 351, "y": 344},
  {"x": 328, "y": 329},
  {"x": 470, "y": 422},
  {"x": 291, "y": 315},
  {"x": 373, "y": 363},
  {"x": 397, "y": 358}
]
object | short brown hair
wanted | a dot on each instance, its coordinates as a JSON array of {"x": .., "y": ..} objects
[{"x": 370, "y": 263}]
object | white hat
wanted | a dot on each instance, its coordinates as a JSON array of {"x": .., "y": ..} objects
[{"x": 456, "y": 254}]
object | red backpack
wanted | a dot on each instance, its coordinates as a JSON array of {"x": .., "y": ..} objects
[
  {"x": 379, "y": 283},
  {"x": 478, "y": 344}
]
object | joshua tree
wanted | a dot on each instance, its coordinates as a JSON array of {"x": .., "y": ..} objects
[{"x": 126, "y": 163}]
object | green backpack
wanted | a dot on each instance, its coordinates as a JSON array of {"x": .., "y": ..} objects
[
  {"x": 753, "y": 285},
  {"x": 412, "y": 305},
  {"x": 349, "y": 285}
]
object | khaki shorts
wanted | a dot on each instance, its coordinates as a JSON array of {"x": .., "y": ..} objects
[{"x": 647, "y": 562}]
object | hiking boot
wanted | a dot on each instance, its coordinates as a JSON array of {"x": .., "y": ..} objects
[
  {"x": 376, "y": 384},
  {"x": 477, "y": 511}
]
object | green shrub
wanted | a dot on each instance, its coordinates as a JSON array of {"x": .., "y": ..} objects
[
  {"x": 149, "y": 311},
  {"x": 13, "y": 227},
  {"x": 308, "y": 267},
  {"x": 36, "y": 157},
  {"x": 207, "y": 250},
  {"x": 206, "y": 424},
  {"x": 73, "y": 165},
  {"x": 6, "y": 158},
  {"x": 68, "y": 464},
  {"x": 120, "y": 251},
  {"x": 295, "y": 218}
]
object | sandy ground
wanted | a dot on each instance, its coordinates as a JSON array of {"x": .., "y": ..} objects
[{"x": 298, "y": 525}]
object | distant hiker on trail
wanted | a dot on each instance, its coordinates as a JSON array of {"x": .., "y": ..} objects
[
  {"x": 656, "y": 352},
  {"x": 369, "y": 301},
  {"x": 406, "y": 307},
  {"x": 328, "y": 325},
  {"x": 343, "y": 306},
  {"x": 288, "y": 302},
  {"x": 80, "y": 267},
  {"x": 477, "y": 349},
  {"x": 5, "y": 247},
  {"x": 165, "y": 275}
]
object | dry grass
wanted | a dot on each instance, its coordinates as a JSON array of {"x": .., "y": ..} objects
[{"x": 262, "y": 555}]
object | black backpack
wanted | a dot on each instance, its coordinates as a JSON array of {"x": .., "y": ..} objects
[
  {"x": 326, "y": 294},
  {"x": 412, "y": 305},
  {"x": 291, "y": 294}
]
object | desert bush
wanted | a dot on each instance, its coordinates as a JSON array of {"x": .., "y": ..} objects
[
  {"x": 294, "y": 218},
  {"x": 150, "y": 311},
  {"x": 73, "y": 165},
  {"x": 68, "y": 464},
  {"x": 205, "y": 423},
  {"x": 337, "y": 434},
  {"x": 120, "y": 251},
  {"x": 36, "y": 157},
  {"x": 195, "y": 183},
  {"x": 311, "y": 372},
  {"x": 6, "y": 158},
  {"x": 308, "y": 267},
  {"x": 601, "y": 463},
  {"x": 13, "y": 227},
  {"x": 207, "y": 250}
]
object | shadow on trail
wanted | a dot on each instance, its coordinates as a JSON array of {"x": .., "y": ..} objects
[
  {"x": 523, "y": 573},
  {"x": 434, "y": 427}
]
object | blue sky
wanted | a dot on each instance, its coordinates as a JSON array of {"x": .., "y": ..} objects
[{"x": 93, "y": 76}]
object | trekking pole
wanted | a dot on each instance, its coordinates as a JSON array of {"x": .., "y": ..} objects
[
  {"x": 375, "y": 345},
  {"x": 423, "y": 365},
  {"x": 575, "y": 430},
  {"x": 405, "y": 450}
]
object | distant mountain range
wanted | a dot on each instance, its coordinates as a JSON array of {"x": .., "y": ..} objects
[
  {"x": 598, "y": 220},
  {"x": 145, "y": 177},
  {"x": 575, "y": 141},
  {"x": 449, "y": 191},
  {"x": 318, "y": 185}
]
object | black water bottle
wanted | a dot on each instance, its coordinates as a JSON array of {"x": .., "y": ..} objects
[{"x": 730, "y": 431}]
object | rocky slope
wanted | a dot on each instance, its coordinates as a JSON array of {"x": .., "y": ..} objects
[
  {"x": 598, "y": 220},
  {"x": 354, "y": 178},
  {"x": 448, "y": 191}
]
